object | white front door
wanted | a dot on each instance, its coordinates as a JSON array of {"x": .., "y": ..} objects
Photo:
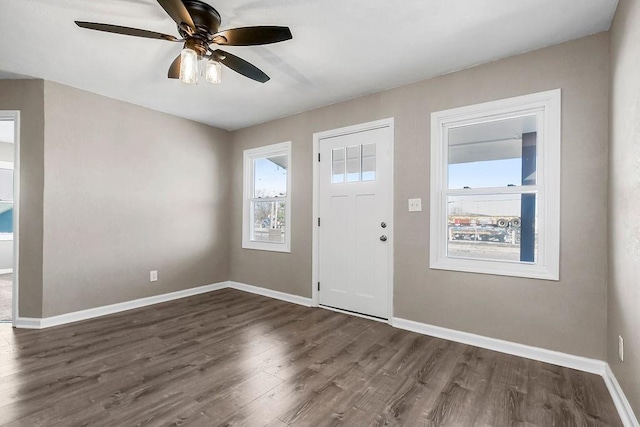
[{"x": 355, "y": 231}]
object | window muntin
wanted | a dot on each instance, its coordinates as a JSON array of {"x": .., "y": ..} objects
[
  {"x": 266, "y": 207},
  {"x": 495, "y": 189}
]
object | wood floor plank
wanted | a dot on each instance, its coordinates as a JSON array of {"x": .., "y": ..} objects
[{"x": 233, "y": 358}]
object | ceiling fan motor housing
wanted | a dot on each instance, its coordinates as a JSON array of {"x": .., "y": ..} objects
[{"x": 205, "y": 17}]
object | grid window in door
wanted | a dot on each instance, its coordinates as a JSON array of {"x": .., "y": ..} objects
[
  {"x": 354, "y": 163},
  {"x": 266, "y": 206}
]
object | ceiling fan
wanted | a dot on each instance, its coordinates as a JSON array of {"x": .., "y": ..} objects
[{"x": 199, "y": 27}]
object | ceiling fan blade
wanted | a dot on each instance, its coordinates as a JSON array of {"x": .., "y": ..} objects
[
  {"x": 108, "y": 28},
  {"x": 174, "y": 68},
  {"x": 250, "y": 36},
  {"x": 240, "y": 66},
  {"x": 177, "y": 12}
]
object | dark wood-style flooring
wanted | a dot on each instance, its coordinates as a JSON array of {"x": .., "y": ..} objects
[{"x": 232, "y": 358}]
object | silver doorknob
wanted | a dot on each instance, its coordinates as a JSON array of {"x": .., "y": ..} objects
[{"x": 383, "y": 238}]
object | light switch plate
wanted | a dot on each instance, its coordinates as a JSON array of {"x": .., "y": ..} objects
[
  {"x": 153, "y": 276},
  {"x": 415, "y": 205}
]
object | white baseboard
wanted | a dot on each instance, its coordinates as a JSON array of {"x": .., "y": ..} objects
[
  {"x": 76, "y": 316},
  {"x": 543, "y": 355},
  {"x": 271, "y": 294},
  {"x": 6, "y": 270},
  {"x": 27, "y": 323},
  {"x": 619, "y": 399}
]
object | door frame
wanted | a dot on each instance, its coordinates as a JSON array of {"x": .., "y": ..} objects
[
  {"x": 315, "y": 246},
  {"x": 15, "y": 116}
]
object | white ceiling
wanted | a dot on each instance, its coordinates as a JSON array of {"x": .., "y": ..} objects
[{"x": 341, "y": 49}]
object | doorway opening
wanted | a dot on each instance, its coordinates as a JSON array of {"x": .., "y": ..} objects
[{"x": 9, "y": 131}]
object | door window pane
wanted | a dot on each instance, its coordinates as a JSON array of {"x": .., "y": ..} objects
[
  {"x": 369, "y": 162},
  {"x": 500, "y": 227},
  {"x": 493, "y": 154},
  {"x": 270, "y": 176},
  {"x": 337, "y": 165},
  {"x": 353, "y": 163},
  {"x": 268, "y": 221}
]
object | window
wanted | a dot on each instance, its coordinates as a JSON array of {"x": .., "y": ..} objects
[
  {"x": 495, "y": 187},
  {"x": 267, "y": 193},
  {"x": 6, "y": 200}
]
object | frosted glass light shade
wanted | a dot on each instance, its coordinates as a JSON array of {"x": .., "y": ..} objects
[
  {"x": 189, "y": 66},
  {"x": 214, "y": 72}
]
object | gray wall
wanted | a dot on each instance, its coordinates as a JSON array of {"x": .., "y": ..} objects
[
  {"x": 569, "y": 315},
  {"x": 27, "y": 96},
  {"x": 624, "y": 200},
  {"x": 129, "y": 190}
]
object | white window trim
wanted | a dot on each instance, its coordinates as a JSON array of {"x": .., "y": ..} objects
[
  {"x": 249, "y": 155},
  {"x": 548, "y": 105}
]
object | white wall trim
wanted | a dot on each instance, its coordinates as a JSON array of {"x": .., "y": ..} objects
[
  {"x": 619, "y": 399},
  {"x": 6, "y": 270},
  {"x": 295, "y": 299},
  {"x": 76, "y": 316},
  {"x": 27, "y": 323},
  {"x": 543, "y": 355}
]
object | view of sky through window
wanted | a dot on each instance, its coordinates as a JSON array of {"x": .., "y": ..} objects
[
  {"x": 270, "y": 179},
  {"x": 491, "y": 173}
]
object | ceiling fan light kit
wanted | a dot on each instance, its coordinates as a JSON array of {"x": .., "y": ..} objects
[
  {"x": 214, "y": 72},
  {"x": 188, "y": 66},
  {"x": 199, "y": 25}
]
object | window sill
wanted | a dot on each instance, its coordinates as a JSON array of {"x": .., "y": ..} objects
[
  {"x": 529, "y": 271},
  {"x": 269, "y": 247}
]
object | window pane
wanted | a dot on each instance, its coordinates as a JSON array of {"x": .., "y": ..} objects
[
  {"x": 6, "y": 217},
  {"x": 6, "y": 184},
  {"x": 268, "y": 221},
  {"x": 501, "y": 227},
  {"x": 369, "y": 162},
  {"x": 493, "y": 154},
  {"x": 353, "y": 163},
  {"x": 270, "y": 176},
  {"x": 337, "y": 165}
]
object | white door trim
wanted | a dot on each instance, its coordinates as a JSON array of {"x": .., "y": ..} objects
[
  {"x": 315, "y": 249},
  {"x": 15, "y": 116}
]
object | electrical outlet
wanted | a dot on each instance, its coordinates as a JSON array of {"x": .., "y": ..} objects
[
  {"x": 153, "y": 276},
  {"x": 621, "y": 348},
  {"x": 415, "y": 205}
]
